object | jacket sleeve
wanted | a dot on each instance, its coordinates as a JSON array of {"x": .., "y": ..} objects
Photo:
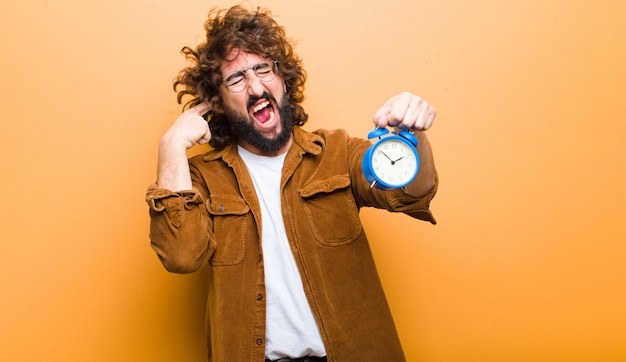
[
  {"x": 398, "y": 200},
  {"x": 180, "y": 228}
]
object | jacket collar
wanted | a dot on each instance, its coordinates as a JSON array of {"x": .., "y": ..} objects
[{"x": 307, "y": 141}]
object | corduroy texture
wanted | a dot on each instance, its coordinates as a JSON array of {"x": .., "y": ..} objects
[{"x": 323, "y": 189}]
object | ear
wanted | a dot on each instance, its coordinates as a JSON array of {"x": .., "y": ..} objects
[{"x": 217, "y": 108}]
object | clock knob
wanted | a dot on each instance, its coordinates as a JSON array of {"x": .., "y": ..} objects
[
  {"x": 409, "y": 136},
  {"x": 377, "y": 133}
]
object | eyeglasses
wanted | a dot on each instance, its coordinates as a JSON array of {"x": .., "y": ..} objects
[{"x": 238, "y": 81}]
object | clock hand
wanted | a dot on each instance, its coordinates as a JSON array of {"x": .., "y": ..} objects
[{"x": 392, "y": 161}]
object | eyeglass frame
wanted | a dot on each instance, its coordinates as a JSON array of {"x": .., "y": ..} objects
[{"x": 246, "y": 78}]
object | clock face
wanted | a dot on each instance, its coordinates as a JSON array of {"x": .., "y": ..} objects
[{"x": 394, "y": 162}]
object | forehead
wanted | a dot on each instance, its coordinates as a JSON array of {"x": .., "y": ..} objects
[{"x": 238, "y": 60}]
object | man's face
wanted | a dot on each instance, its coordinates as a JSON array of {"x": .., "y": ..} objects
[{"x": 263, "y": 123}]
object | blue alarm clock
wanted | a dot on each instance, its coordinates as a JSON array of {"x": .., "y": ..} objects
[{"x": 392, "y": 162}]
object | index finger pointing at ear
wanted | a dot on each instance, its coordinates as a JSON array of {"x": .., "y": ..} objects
[{"x": 202, "y": 108}]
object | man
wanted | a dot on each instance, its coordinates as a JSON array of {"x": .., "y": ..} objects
[{"x": 273, "y": 209}]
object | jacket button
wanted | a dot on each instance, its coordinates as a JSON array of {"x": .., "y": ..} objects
[
  {"x": 259, "y": 341},
  {"x": 259, "y": 297}
]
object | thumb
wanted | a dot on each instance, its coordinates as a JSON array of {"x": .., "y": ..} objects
[{"x": 382, "y": 115}]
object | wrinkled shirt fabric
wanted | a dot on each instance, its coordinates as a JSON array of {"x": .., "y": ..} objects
[{"x": 218, "y": 222}]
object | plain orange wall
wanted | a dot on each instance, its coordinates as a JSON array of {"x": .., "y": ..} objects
[{"x": 527, "y": 263}]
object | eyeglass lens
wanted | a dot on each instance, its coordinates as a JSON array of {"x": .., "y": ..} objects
[{"x": 265, "y": 71}]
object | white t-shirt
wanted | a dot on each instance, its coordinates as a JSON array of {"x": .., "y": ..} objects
[{"x": 291, "y": 330}]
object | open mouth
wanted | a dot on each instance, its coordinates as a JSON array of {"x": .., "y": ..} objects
[{"x": 264, "y": 113}]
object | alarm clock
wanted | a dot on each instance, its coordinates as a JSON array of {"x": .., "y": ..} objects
[{"x": 391, "y": 162}]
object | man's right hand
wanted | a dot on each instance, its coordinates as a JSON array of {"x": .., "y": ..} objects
[{"x": 188, "y": 129}]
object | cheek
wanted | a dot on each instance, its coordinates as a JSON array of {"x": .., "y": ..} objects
[
  {"x": 279, "y": 90},
  {"x": 236, "y": 102}
]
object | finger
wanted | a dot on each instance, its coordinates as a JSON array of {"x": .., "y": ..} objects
[
  {"x": 381, "y": 116},
  {"x": 206, "y": 137},
  {"x": 398, "y": 111},
  {"x": 202, "y": 108},
  {"x": 202, "y": 141},
  {"x": 413, "y": 113},
  {"x": 430, "y": 118},
  {"x": 422, "y": 115},
  {"x": 427, "y": 117}
]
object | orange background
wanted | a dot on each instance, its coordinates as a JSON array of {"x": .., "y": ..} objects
[{"x": 527, "y": 263}]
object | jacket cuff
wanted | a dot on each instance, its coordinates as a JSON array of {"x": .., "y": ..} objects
[
  {"x": 402, "y": 201},
  {"x": 172, "y": 202}
]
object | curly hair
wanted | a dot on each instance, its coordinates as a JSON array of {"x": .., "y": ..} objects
[{"x": 254, "y": 32}]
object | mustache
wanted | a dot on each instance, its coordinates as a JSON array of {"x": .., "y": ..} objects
[{"x": 252, "y": 100}]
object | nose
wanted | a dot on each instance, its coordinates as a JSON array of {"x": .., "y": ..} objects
[{"x": 255, "y": 86}]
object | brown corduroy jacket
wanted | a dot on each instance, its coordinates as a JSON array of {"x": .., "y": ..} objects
[{"x": 323, "y": 188}]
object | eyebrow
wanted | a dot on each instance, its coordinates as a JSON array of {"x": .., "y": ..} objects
[{"x": 235, "y": 75}]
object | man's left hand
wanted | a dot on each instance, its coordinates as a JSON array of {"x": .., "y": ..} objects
[{"x": 407, "y": 111}]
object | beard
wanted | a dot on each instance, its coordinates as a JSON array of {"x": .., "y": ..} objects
[{"x": 243, "y": 127}]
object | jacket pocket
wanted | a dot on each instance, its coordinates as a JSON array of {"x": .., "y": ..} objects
[
  {"x": 331, "y": 211},
  {"x": 231, "y": 221}
]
